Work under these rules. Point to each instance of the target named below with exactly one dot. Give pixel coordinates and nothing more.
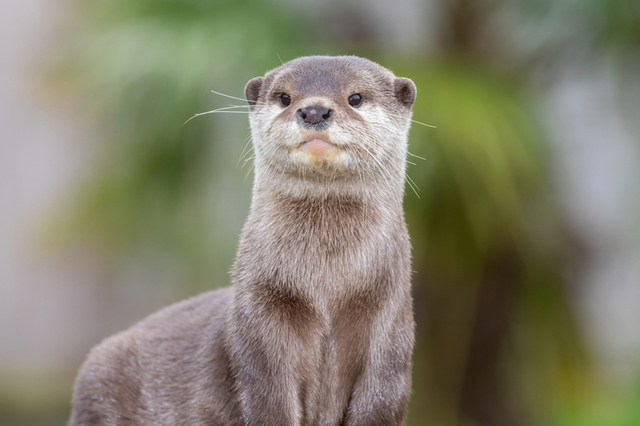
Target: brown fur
(317, 328)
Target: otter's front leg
(272, 354)
(381, 394)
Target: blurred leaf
(489, 247)
(144, 68)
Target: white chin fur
(334, 160)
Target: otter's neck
(326, 204)
(316, 237)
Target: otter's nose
(314, 114)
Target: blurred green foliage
(143, 68)
(489, 250)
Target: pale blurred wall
(597, 166)
(42, 150)
(53, 305)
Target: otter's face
(330, 116)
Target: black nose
(315, 114)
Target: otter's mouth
(319, 148)
(317, 151)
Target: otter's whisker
(417, 156)
(218, 110)
(412, 184)
(285, 66)
(423, 124)
(248, 159)
(249, 172)
(242, 154)
(383, 171)
(228, 96)
(235, 97)
(250, 155)
(413, 121)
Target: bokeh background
(525, 220)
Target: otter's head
(322, 116)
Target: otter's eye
(285, 100)
(355, 100)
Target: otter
(317, 327)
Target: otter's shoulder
(112, 381)
(196, 312)
(174, 323)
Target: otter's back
(172, 368)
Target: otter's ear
(252, 90)
(405, 91)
